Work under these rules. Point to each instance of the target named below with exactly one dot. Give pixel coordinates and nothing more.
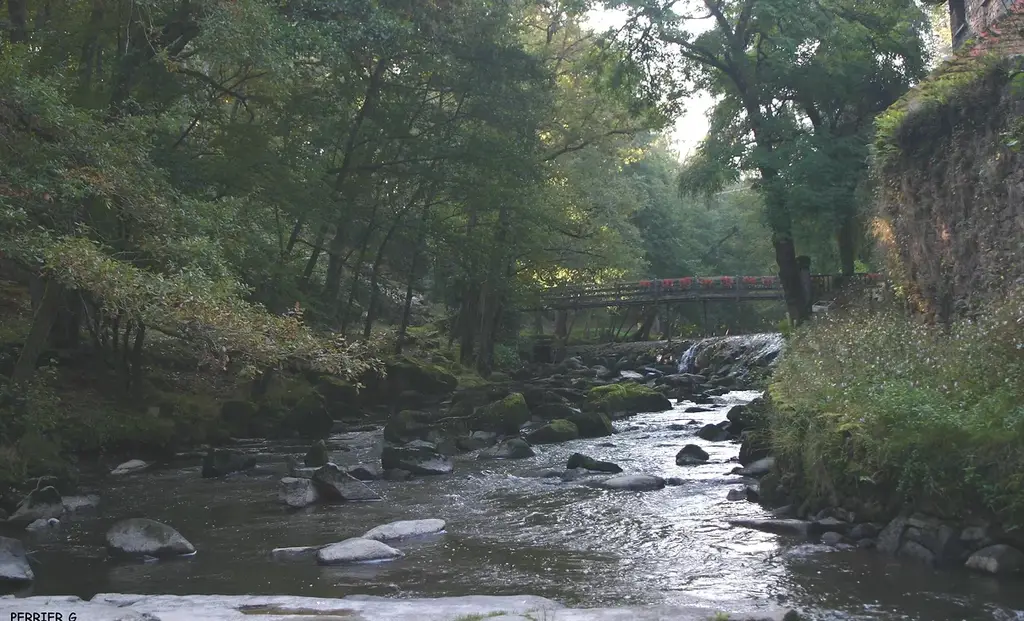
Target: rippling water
(508, 534)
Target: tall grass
(876, 404)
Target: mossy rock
(505, 415)
(309, 418)
(340, 397)
(406, 426)
(625, 399)
(405, 373)
(558, 430)
(592, 424)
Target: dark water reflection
(512, 535)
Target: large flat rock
(117, 607)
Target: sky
(692, 125)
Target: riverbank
(903, 424)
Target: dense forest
(295, 184)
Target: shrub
(880, 404)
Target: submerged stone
(356, 550)
(402, 529)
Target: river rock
(365, 472)
(631, 375)
(791, 528)
(144, 537)
(558, 430)
(509, 449)
(713, 433)
(222, 462)
(891, 536)
(397, 474)
(417, 457)
(579, 460)
(697, 409)
(506, 415)
(287, 554)
(403, 529)
(542, 473)
(41, 503)
(14, 565)
(296, 492)
(633, 482)
(335, 485)
(915, 551)
(691, 455)
(753, 446)
(42, 525)
(129, 467)
(407, 425)
(998, 559)
(864, 531)
(81, 504)
(736, 494)
(356, 550)
(832, 538)
(554, 410)
(759, 468)
(592, 424)
(317, 455)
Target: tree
(797, 86)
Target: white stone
(633, 482)
(296, 492)
(405, 528)
(142, 537)
(14, 565)
(41, 524)
(997, 559)
(356, 550)
(293, 552)
(128, 467)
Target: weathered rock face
(296, 492)
(143, 537)
(579, 460)
(222, 462)
(691, 455)
(403, 529)
(624, 399)
(514, 448)
(558, 430)
(356, 550)
(14, 565)
(418, 457)
(335, 485)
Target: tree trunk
(314, 255)
(17, 13)
(39, 334)
(294, 238)
(371, 305)
(789, 274)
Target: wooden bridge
(691, 289)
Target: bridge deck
(687, 289)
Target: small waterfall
(751, 350)
(689, 357)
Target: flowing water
(508, 534)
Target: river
(509, 534)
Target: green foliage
(884, 407)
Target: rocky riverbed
(655, 526)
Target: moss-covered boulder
(618, 400)
(558, 430)
(406, 426)
(592, 424)
(405, 373)
(309, 418)
(505, 415)
(341, 398)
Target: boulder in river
(513, 448)
(41, 503)
(42, 525)
(285, 554)
(758, 468)
(403, 529)
(14, 565)
(81, 504)
(356, 550)
(506, 415)
(129, 467)
(692, 455)
(713, 433)
(476, 440)
(317, 455)
(296, 492)
(365, 472)
(554, 410)
(335, 485)
(999, 559)
(592, 424)
(579, 460)
(619, 400)
(792, 528)
(558, 430)
(633, 482)
(144, 537)
(406, 426)
(418, 457)
(222, 462)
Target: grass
(880, 407)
